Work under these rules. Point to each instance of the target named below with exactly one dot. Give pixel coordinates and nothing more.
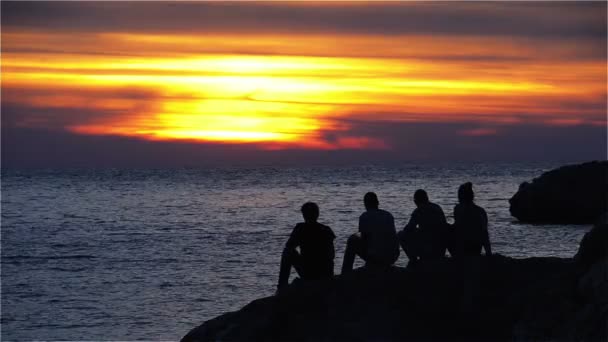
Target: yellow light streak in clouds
(283, 91)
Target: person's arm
(391, 221)
(442, 217)
(363, 227)
(456, 215)
(333, 247)
(294, 239)
(290, 246)
(413, 222)
(486, 236)
(332, 251)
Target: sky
(180, 84)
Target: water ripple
(149, 254)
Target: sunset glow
(293, 89)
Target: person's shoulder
(479, 209)
(365, 221)
(326, 229)
(322, 225)
(297, 233)
(435, 206)
(385, 213)
(476, 207)
(299, 227)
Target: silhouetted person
(315, 260)
(470, 225)
(376, 242)
(425, 235)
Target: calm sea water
(150, 254)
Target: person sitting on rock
(470, 225)
(376, 242)
(315, 260)
(425, 235)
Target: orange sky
(289, 89)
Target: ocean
(119, 254)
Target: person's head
(310, 212)
(371, 201)
(465, 193)
(420, 197)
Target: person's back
(425, 235)
(470, 225)
(376, 242)
(430, 218)
(315, 260)
(378, 226)
(316, 242)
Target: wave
(50, 257)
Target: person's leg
(289, 258)
(471, 273)
(442, 241)
(297, 264)
(472, 250)
(407, 242)
(394, 257)
(452, 244)
(437, 249)
(353, 248)
(442, 249)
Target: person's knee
(401, 236)
(290, 254)
(354, 239)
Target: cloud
(435, 142)
(548, 19)
(464, 80)
(478, 132)
(56, 109)
(524, 141)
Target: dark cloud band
(529, 19)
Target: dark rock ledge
(486, 299)
(570, 194)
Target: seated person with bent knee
(470, 225)
(376, 243)
(425, 235)
(315, 260)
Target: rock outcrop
(569, 194)
(576, 309)
(486, 299)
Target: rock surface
(486, 299)
(580, 312)
(569, 194)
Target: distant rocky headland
(569, 194)
(495, 298)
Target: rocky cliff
(569, 194)
(487, 299)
